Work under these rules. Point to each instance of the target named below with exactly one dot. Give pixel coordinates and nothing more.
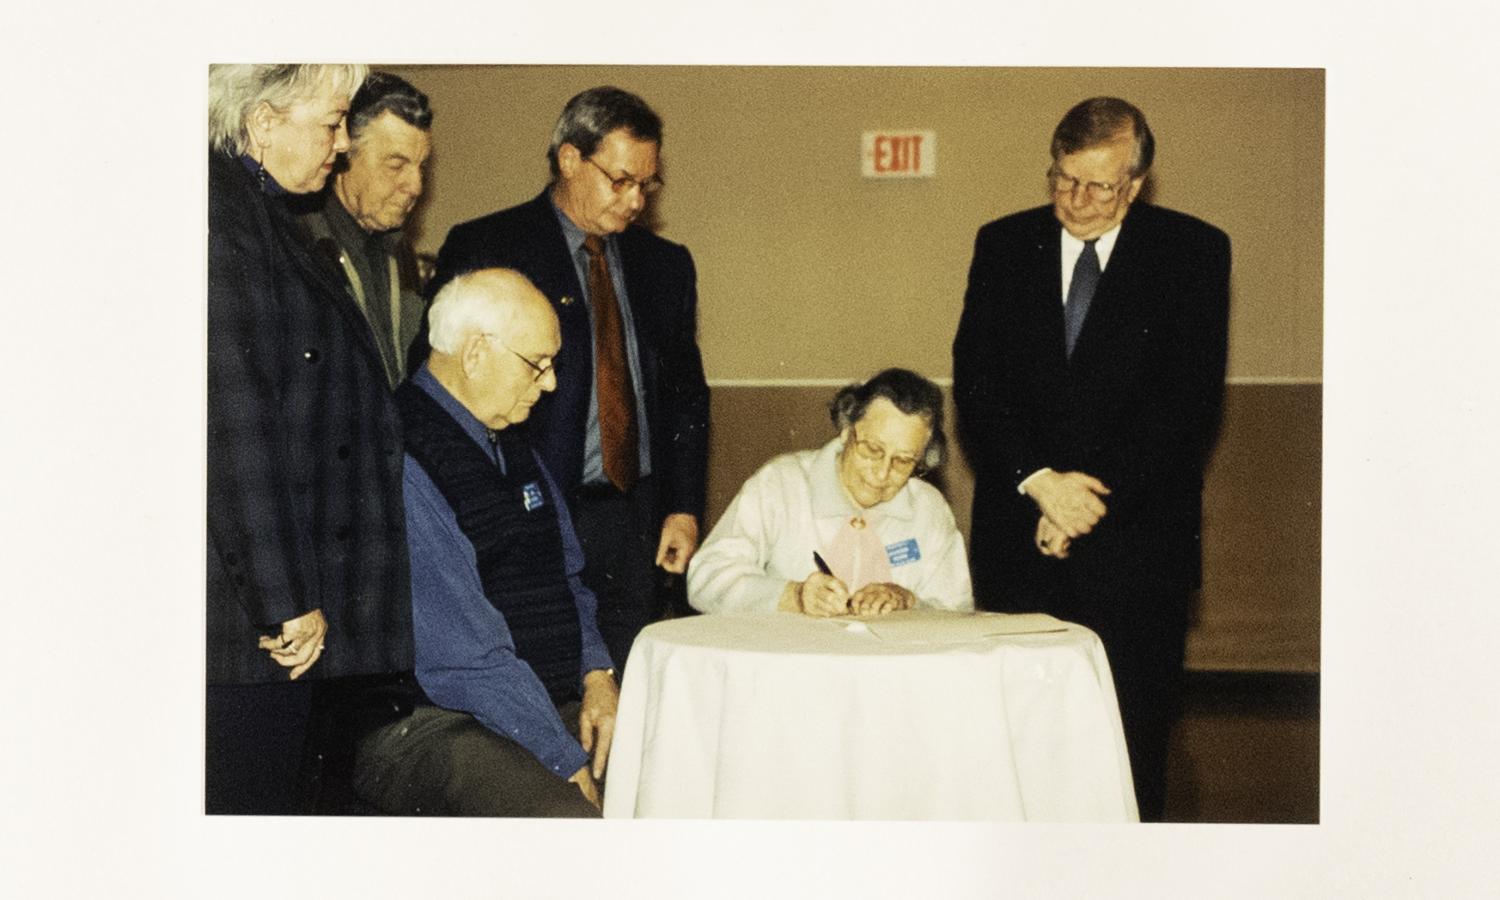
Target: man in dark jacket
(626, 432)
(1088, 373)
(358, 223)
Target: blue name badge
(903, 552)
(531, 496)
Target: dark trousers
(619, 533)
(255, 736)
(344, 711)
(1144, 631)
(437, 762)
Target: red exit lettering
(898, 153)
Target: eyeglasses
(625, 182)
(873, 453)
(1097, 191)
(538, 371)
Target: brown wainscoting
(1259, 609)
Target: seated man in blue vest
(522, 693)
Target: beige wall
(807, 270)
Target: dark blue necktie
(1081, 292)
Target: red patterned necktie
(617, 428)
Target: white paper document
(935, 626)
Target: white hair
(466, 306)
(235, 90)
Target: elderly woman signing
(851, 508)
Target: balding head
(493, 337)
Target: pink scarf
(856, 555)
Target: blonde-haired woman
(307, 566)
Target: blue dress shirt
(465, 657)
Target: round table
(925, 714)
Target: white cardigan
(795, 505)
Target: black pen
(822, 566)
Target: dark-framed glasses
(1097, 191)
(873, 453)
(624, 183)
(538, 371)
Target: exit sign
(898, 154)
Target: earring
(260, 169)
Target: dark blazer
(1137, 405)
(662, 285)
(304, 451)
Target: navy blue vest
(510, 520)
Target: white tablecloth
(926, 715)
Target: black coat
(662, 286)
(1136, 406)
(304, 450)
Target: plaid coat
(304, 451)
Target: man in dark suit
(626, 432)
(1089, 375)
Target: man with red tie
(626, 432)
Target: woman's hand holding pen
(823, 595)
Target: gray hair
(469, 305)
(596, 112)
(1098, 120)
(383, 92)
(908, 392)
(235, 90)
